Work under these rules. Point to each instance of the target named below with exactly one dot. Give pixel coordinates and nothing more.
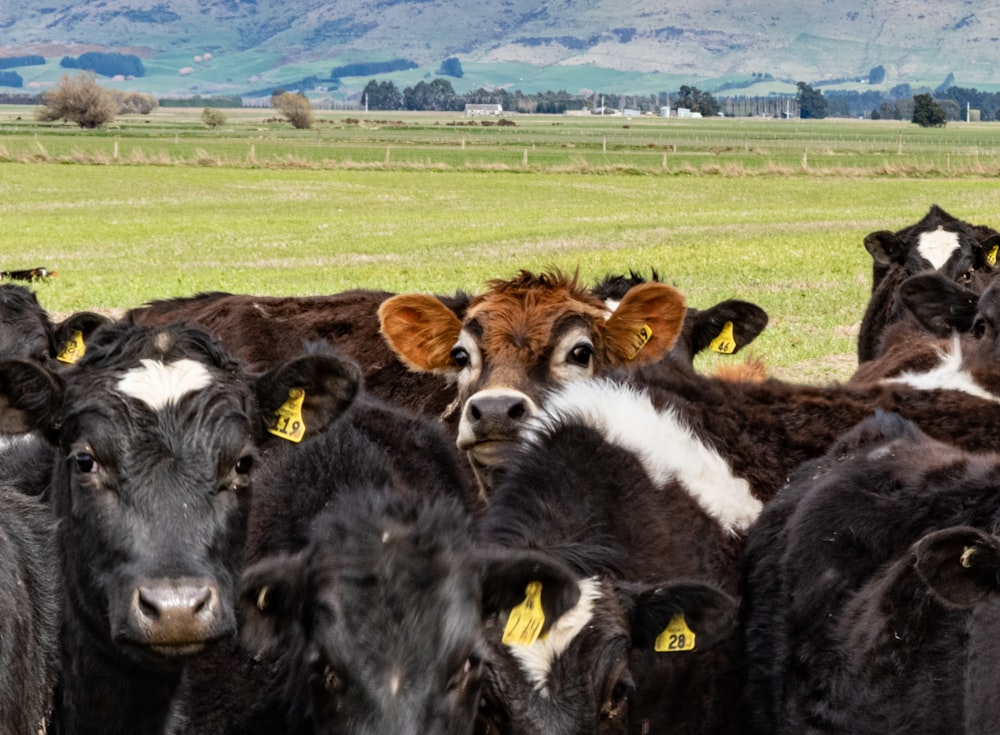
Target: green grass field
(770, 211)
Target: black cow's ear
(271, 602)
(959, 565)
(71, 334)
(727, 327)
(304, 396)
(678, 617)
(990, 249)
(31, 398)
(531, 583)
(885, 247)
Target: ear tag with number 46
(287, 421)
(73, 349)
(677, 636)
(524, 624)
(725, 343)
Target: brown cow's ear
(421, 330)
(645, 325)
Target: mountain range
(217, 47)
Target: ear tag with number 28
(677, 636)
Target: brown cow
(519, 338)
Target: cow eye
(244, 464)
(461, 356)
(85, 462)
(581, 354)
(618, 697)
(966, 277)
(978, 327)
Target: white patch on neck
(947, 375)
(666, 447)
(937, 246)
(158, 385)
(536, 660)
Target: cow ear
(31, 398)
(990, 248)
(727, 327)
(271, 602)
(512, 578)
(645, 325)
(683, 616)
(421, 330)
(305, 395)
(939, 304)
(885, 247)
(71, 334)
(959, 565)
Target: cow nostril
(474, 412)
(517, 411)
(146, 605)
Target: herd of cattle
(518, 511)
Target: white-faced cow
(871, 590)
(962, 252)
(154, 435)
(517, 339)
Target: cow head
(518, 339)
(156, 432)
(579, 679)
(378, 622)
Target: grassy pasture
(769, 211)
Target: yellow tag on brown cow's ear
(524, 624)
(725, 342)
(73, 349)
(641, 338)
(677, 636)
(991, 256)
(287, 421)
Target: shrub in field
(212, 117)
(78, 99)
(135, 103)
(927, 113)
(295, 107)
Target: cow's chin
(165, 656)
(489, 460)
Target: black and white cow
(154, 435)
(871, 589)
(962, 252)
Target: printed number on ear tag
(73, 349)
(677, 636)
(287, 421)
(725, 342)
(641, 338)
(524, 624)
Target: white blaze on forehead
(937, 246)
(536, 660)
(667, 448)
(157, 384)
(946, 375)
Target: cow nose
(497, 416)
(172, 612)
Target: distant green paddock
(769, 211)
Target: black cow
(29, 613)
(870, 590)
(154, 434)
(378, 622)
(576, 491)
(962, 252)
(28, 332)
(725, 328)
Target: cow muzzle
(176, 618)
(492, 424)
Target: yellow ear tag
(287, 422)
(991, 256)
(641, 338)
(725, 342)
(73, 349)
(677, 636)
(524, 624)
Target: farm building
(477, 110)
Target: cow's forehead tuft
(159, 384)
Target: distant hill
(211, 47)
